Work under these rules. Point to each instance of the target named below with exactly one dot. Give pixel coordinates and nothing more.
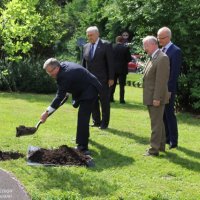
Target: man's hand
(44, 116)
(156, 103)
(170, 94)
(110, 83)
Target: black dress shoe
(103, 127)
(162, 149)
(151, 154)
(95, 125)
(122, 102)
(83, 149)
(173, 146)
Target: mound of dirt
(64, 155)
(10, 155)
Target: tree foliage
(24, 24)
(41, 27)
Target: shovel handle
(38, 124)
(61, 103)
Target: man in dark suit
(155, 93)
(174, 54)
(122, 56)
(98, 59)
(84, 87)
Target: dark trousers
(170, 122)
(104, 96)
(84, 113)
(122, 83)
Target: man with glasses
(174, 54)
(84, 87)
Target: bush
(27, 76)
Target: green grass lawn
(121, 171)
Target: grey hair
(150, 39)
(92, 29)
(51, 62)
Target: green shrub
(27, 76)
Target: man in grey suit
(98, 59)
(174, 54)
(155, 93)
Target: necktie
(91, 51)
(163, 49)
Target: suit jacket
(156, 76)
(174, 54)
(102, 63)
(73, 78)
(122, 56)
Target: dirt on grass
(10, 155)
(64, 155)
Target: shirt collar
(153, 54)
(97, 41)
(167, 46)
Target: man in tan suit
(155, 92)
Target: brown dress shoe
(151, 154)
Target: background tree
(51, 28)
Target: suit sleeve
(110, 61)
(128, 55)
(83, 59)
(60, 95)
(175, 65)
(162, 77)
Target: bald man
(174, 53)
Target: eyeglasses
(162, 38)
(50, 71)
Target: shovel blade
(23, 130)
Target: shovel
(23, 130)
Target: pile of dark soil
(64, 155)
(10, 155)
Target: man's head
(150, 44)
(92, 34)
(164, 36)
(52, 67)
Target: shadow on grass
(138, 139)
(129, 106)
(189, 152)
(71, 184)
(28, 96)
(183, 162)
(187, 118)
(109, 158)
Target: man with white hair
(98, 59)
(174, 54)
(155, 93)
